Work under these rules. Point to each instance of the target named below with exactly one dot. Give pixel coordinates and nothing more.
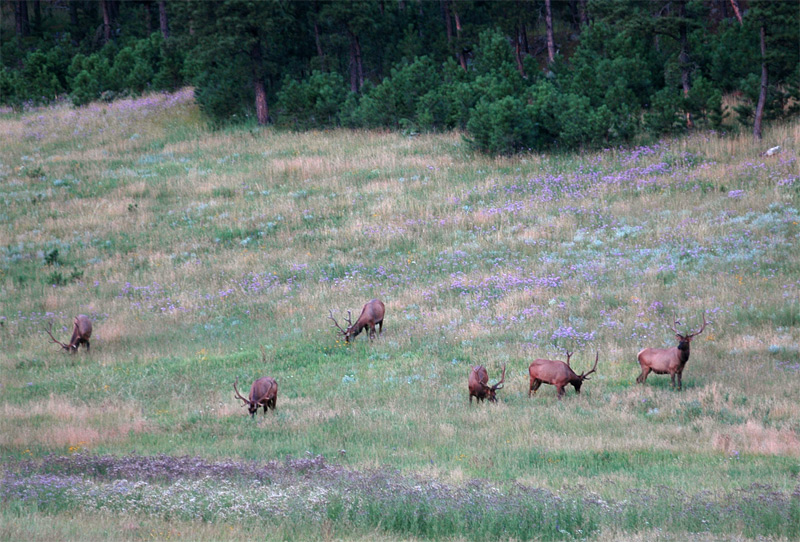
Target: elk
(557, 373)
(371, 315)
(81, 332)
(479, 384)
(668, 360)
(263, 392)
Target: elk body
(668, 360)
(479, 384)
(557, 373)
(371, 316)
(263, 392)
(81, 332)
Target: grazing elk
(668, 360)
(263, 392)
(557, 373)
(371, 316)
(479, 384)
(81, 332)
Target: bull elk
(479, 384)
(81, 332)
(263, 393)
(557, 373)
(668, 360)
(371, 316)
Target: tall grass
(191, 249)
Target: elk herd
(264, 391)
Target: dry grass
(60, 423)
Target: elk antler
(699, 331)
(568, 355)
(499, 385)
(330, 312)
(585, 376)
(675, 318)
(64, 346)
(239, 395)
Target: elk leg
(560, 392)
(642, 377)
(88, 344)
(534, 387)
(680, 386)
(380, 327)
(372, 331)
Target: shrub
(501, 127)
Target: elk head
(479, 384)
(347, 332)
(252, 406)
(684, 340)
(492, 390)
(577, 383)
(81, 333)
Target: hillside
(205, 256)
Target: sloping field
(205, 256)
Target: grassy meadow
(205, 256)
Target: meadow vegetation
(203, 256)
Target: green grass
(196, 248)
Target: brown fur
(479, 384)
(81, 333)
(263, 393)
(670, 361)
(557, 373)
(371, 316)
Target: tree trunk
(518, 52)
(148, 18)
(22, 24)
(462, 59)
(359, 63)
(104, 4)
(683, 58)
(262, 107)
(762, 96)
(73, 14)
(162, 19)
(736, 10)
(445, 7)
(551, 45)
(37, 16)
(354, 79)
(584, 14)
(317, 38)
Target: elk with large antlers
(371, 316)
(81, 332)
(263, 393)
(668, 360)
(479, 384)
(557, 373)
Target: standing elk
(557, 373)
(263, 392)
(668, 360)
(479, 384)
(371, 315)
(81, 332)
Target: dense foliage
(621, 69)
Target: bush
(315, 102)
(394, 101)
(501, 127)
(85, 88)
